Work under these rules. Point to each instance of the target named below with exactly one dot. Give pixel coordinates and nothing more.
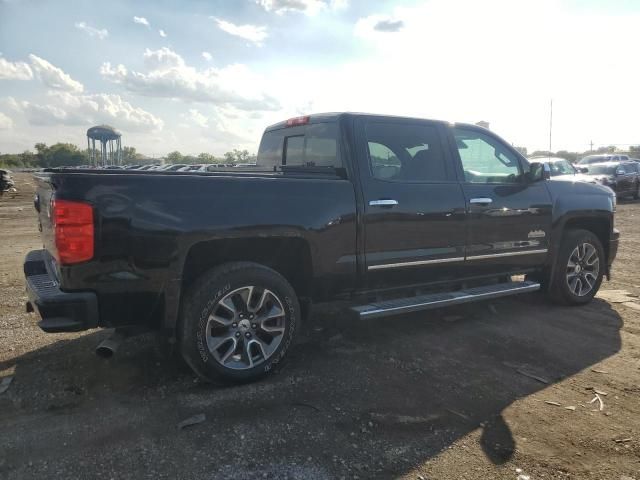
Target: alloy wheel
(583, 268)
(246, 327)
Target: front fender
(580, 205)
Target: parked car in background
(6, 182)
(562, 169)
(172, 167)
(622, 177)
(608, 157)
(194, 168)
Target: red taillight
(73, 227)
(294, 122)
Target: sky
(209, 75)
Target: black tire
(203, 299)
(636, 193)
(560, 290)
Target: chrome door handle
(383, 203)
(481, 201)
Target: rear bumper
(60, 311)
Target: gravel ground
(459, 393)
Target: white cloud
(5, 122)
(338, 4)
(63, 108)
(197, 118)
(503, 60)
(141, 21)
(162, 33)
(54, 77)
(101, 33)
(252, 33)
(162, 59)
(309, 7)
(14, 70)
(41, 115)
(226, 128)
(169, 76)
(207, 56)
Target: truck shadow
(375, 399)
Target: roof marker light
(294, 122)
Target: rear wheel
(238, 322)
(579, 269)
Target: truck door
(508, 216)
(414, 209)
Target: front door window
(484, 160)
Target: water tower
(110, 146)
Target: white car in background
(562, 169)
(602, 158)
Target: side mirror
(620, 172)
(539, 171)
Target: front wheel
(237, 322)
(636, 193)
(579, 268)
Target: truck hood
(578, 177)
(582, 189)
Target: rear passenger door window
(406, 152)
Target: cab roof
(331, 117)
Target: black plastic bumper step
(437, 300)
(61, 311)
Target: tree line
(234, 156)
(69, 155)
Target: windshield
(602, 170)
(561, 167)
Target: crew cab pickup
(393, 215)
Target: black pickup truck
(391, 214)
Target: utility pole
(591, 146)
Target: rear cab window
(313, 145)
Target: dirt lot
(439, 395)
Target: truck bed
(150, 225)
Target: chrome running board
(437, 300)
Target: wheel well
(290, 257)
(598, 226)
